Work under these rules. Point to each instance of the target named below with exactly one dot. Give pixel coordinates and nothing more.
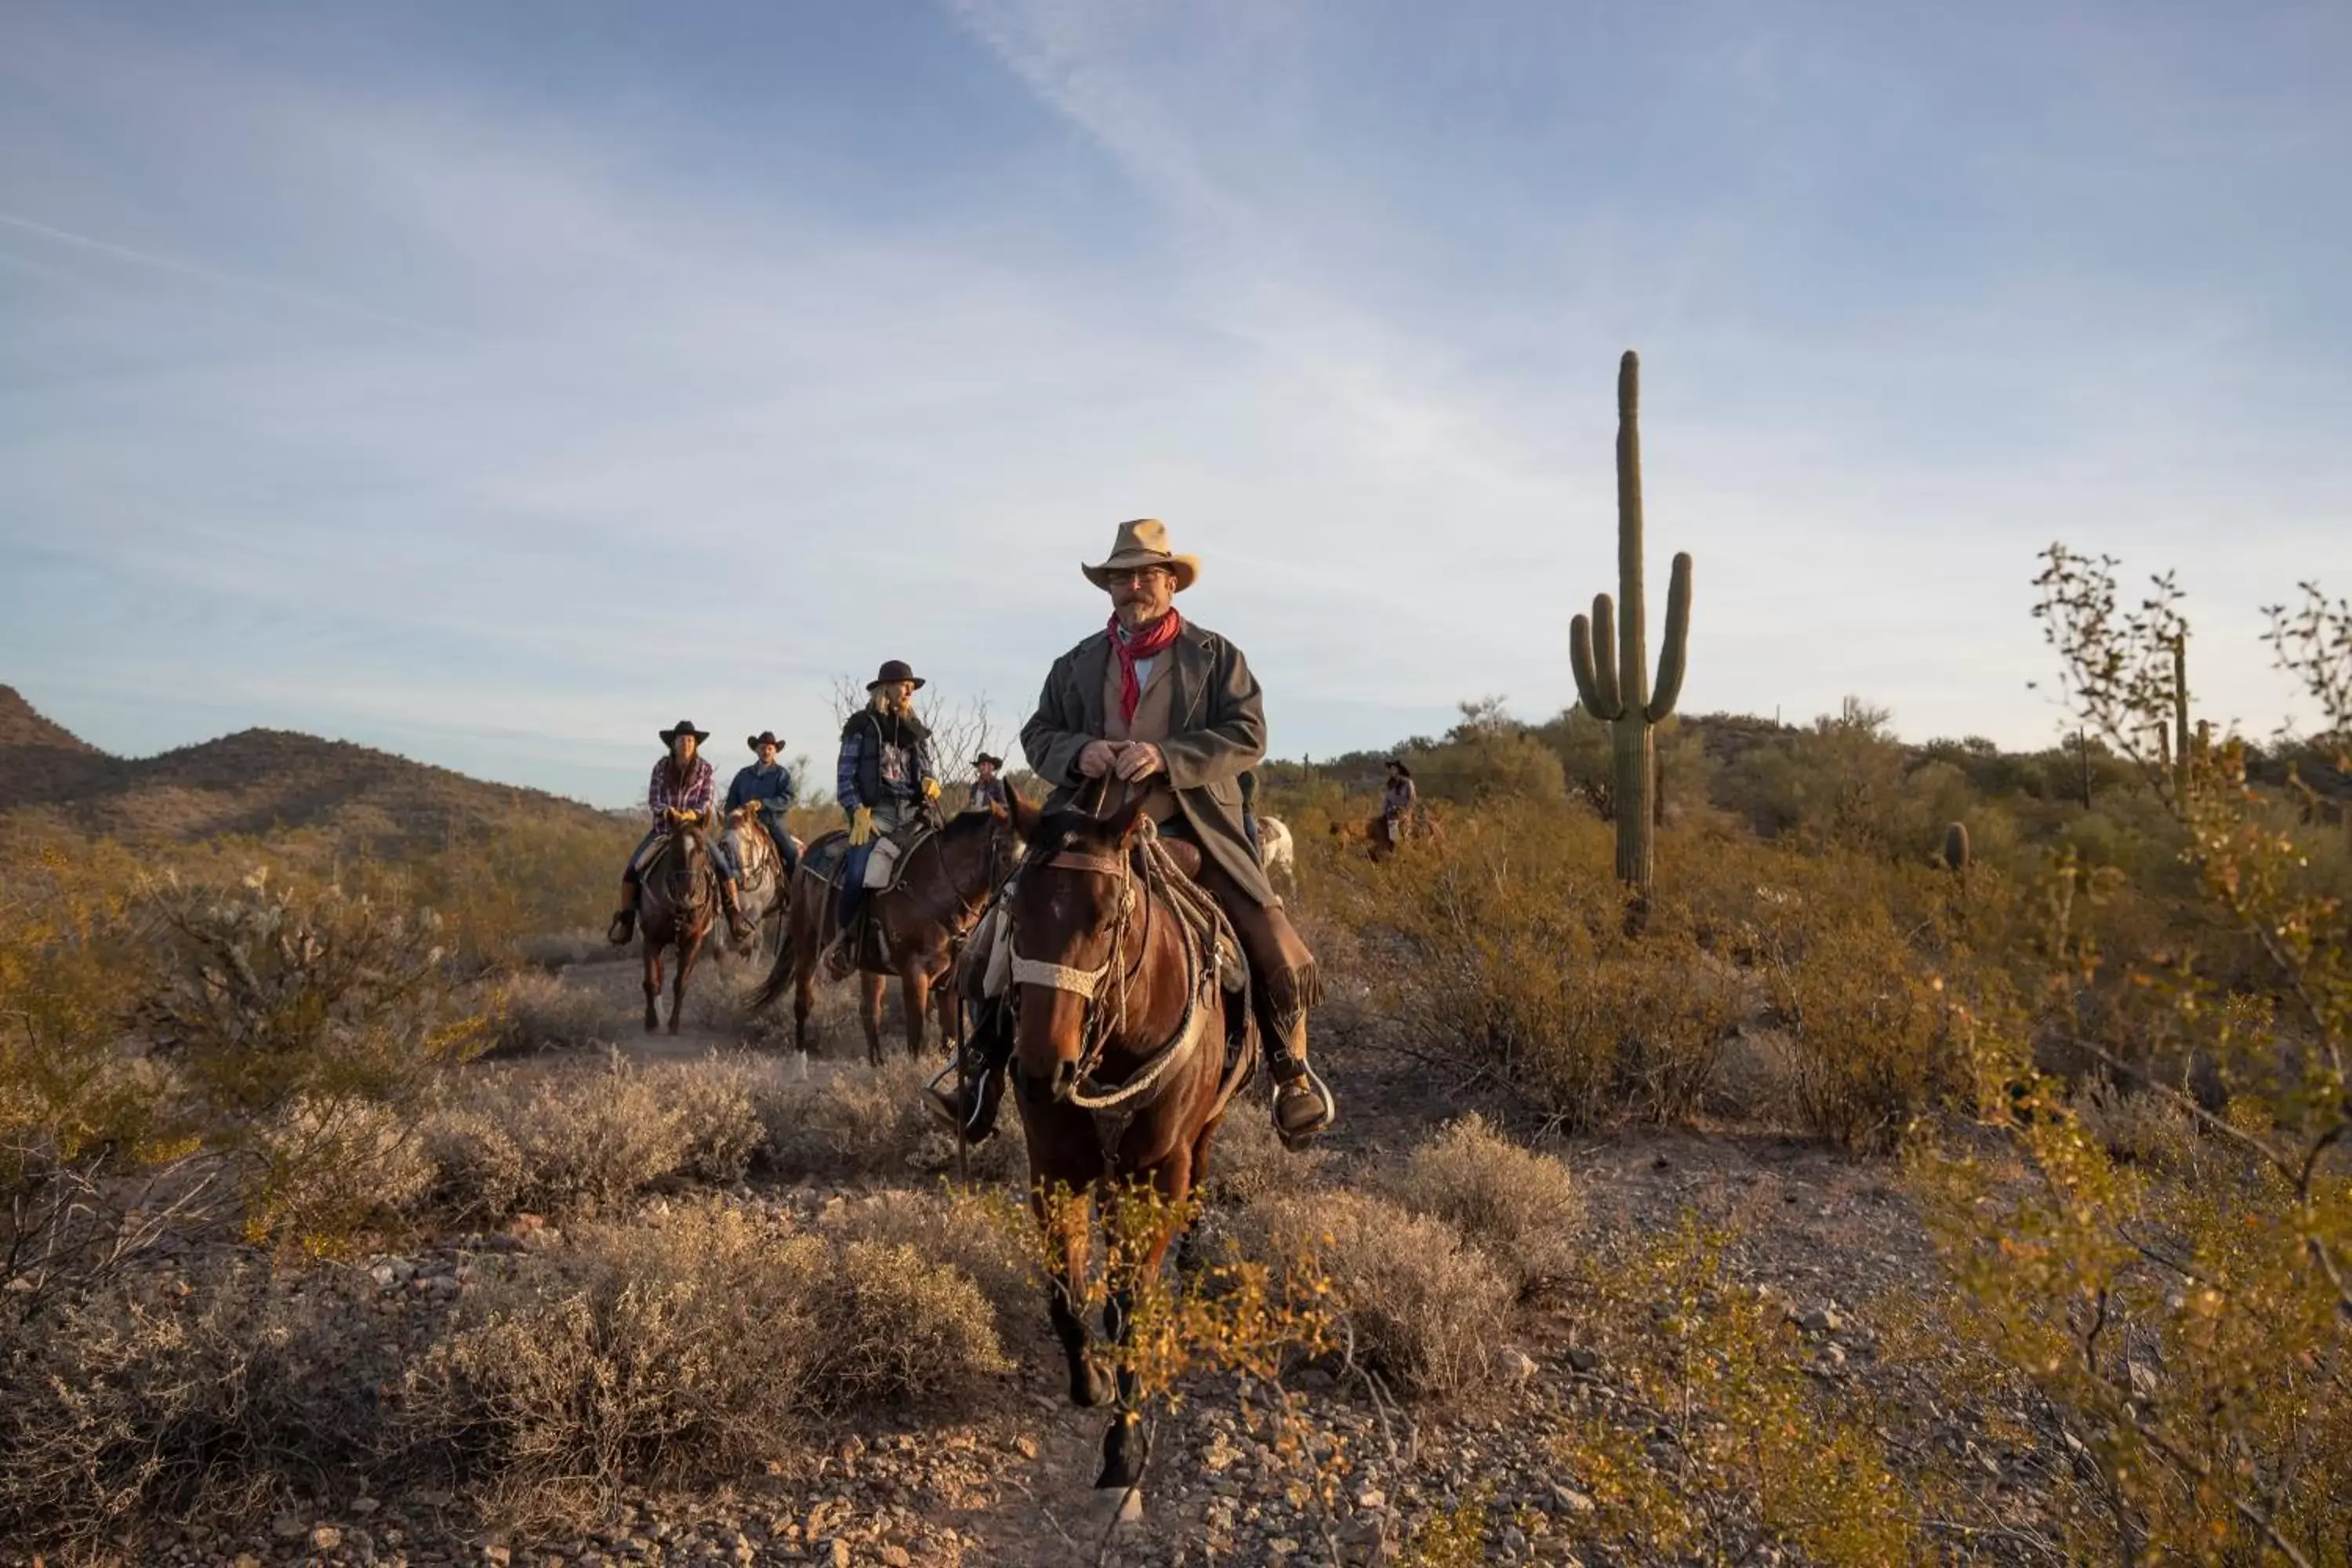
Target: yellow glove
(930, 789)
(861, 826)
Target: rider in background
(884, 781)
(988, 788)
(1397, 800)
(680, 794)
(769, 785)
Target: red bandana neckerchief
(1148, 643)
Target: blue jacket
(759, 782)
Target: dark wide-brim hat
(764, 738)
(894, 670)
(985, 757)
(1399, 764)
(683, 727)
(1143, 542)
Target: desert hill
(253, 781)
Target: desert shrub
(1426, 1309)
(1871, 1036)
(2193, 1336)
(585, 1142)
(859, 1122)
(1511, 949)
(533, 1011)
(1520, 1208)
(333, 1169)
(264, 994)
(694, 1344)
(158, 1403)
(714, 1101)
(1247, 1161)
(1759, 1452)
(988, 1237)
(2136, 1126)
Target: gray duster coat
(1216, 730)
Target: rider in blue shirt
(769, 784)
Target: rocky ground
(1348, 1476)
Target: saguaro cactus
(1610, 655)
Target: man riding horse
(1172, 711)
(679, 795)
(989, 789)
(770, 785)
(884, 781)
(1398, 798)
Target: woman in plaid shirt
(682, 790)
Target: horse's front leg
(653, 983)
(689, 949)
(1065, 1217)
(1125, 1447)
(804, 995)
(869, 1012)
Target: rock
(289, 1528)
(1568, 1499)
(840, 1547)
(1514, 1542)
(896, 1556)
(1583, 1358)
(1371, 1497)
(1516, 1364)
(1025, 1446)
(499, 1555)
(326, 1538)
(2143, 1379)
(1822, 1320)
(247, 1560)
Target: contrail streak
(223, 279)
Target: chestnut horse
(1119, 1066)
(946, 881)
(1374, 831)
(677, 898)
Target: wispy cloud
(451, 388)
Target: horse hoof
(1116, 1509)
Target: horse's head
(1070, 914)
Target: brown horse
(678, 899)
(947, 881)
(1119, 1066)
(1374, 831)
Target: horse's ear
(1023, 814)
(1128, 820)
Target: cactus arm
(1606, 698)
(1671, 658)
(1587, 682)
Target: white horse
(1275, 852)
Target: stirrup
(1295, 1139)
(623, 927)
(971, 1123)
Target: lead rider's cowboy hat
(683, 727)
(894, 670)
(1144, 543)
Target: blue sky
(497, 383)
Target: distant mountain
(253, 781)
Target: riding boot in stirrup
(737, 926)
(968, 1108)
(623, 927)
(1304, 1105)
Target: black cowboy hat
(893, 671)
(1398, 763)
(764, 738)
(683, 727)
(985, 757)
